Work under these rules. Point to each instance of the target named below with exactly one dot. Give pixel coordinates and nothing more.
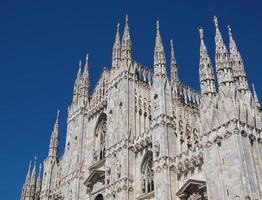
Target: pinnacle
(172, 51)
(216, 21)
(117, 26)
(201, 32)
(57, 115)
(87, 56)
(229, 30)
(157, 25)
(29, 167)
(35, 161)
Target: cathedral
(144, 135)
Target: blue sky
(41, 43)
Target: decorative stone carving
(118, 169)
(157, 148)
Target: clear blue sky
(41, 43)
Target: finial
(126, 18)
(254, 92)
(157, 25)
(79, 70)
(86, 64)
(216, 21)
(87, 57)
(229, 30)
(171, 43)
(201, 32)
(172, 50)
(57, 115)
(117, 26)
(29, 167)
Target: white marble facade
(143, 135)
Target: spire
(26, 187)
(237, 64)
(232, 43)
(57, 122)
(223, 67)
(159, 54)
(173, 64)
(255, 96)
(76, 85)
(86, 81)
(39, 173)
(79, 70)
(28, 176)
(33, 174)
(126, 44)
(207, 78)
(53, 147)
(86, 68)
(116, 54)
(38, 183)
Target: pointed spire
(26, 184)
(173, 64)
(86, 64)
(79, 70)
(38, 183)
(232, 43)
(29, 172)
(255, 95)
(207, 78)
(33, 174)
(237, 64)
(77, 83)
(116, 54)
(159, 54)
(126, 43)
(39, 173)
(86, 81)
(57, 121)
(223, 67)
(53, 147)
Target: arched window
(148, 173)
(100, 135)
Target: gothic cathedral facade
(144, 135)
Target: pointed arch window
(148, 173)
(100, 135)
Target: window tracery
(100, 136)
(148, 174)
